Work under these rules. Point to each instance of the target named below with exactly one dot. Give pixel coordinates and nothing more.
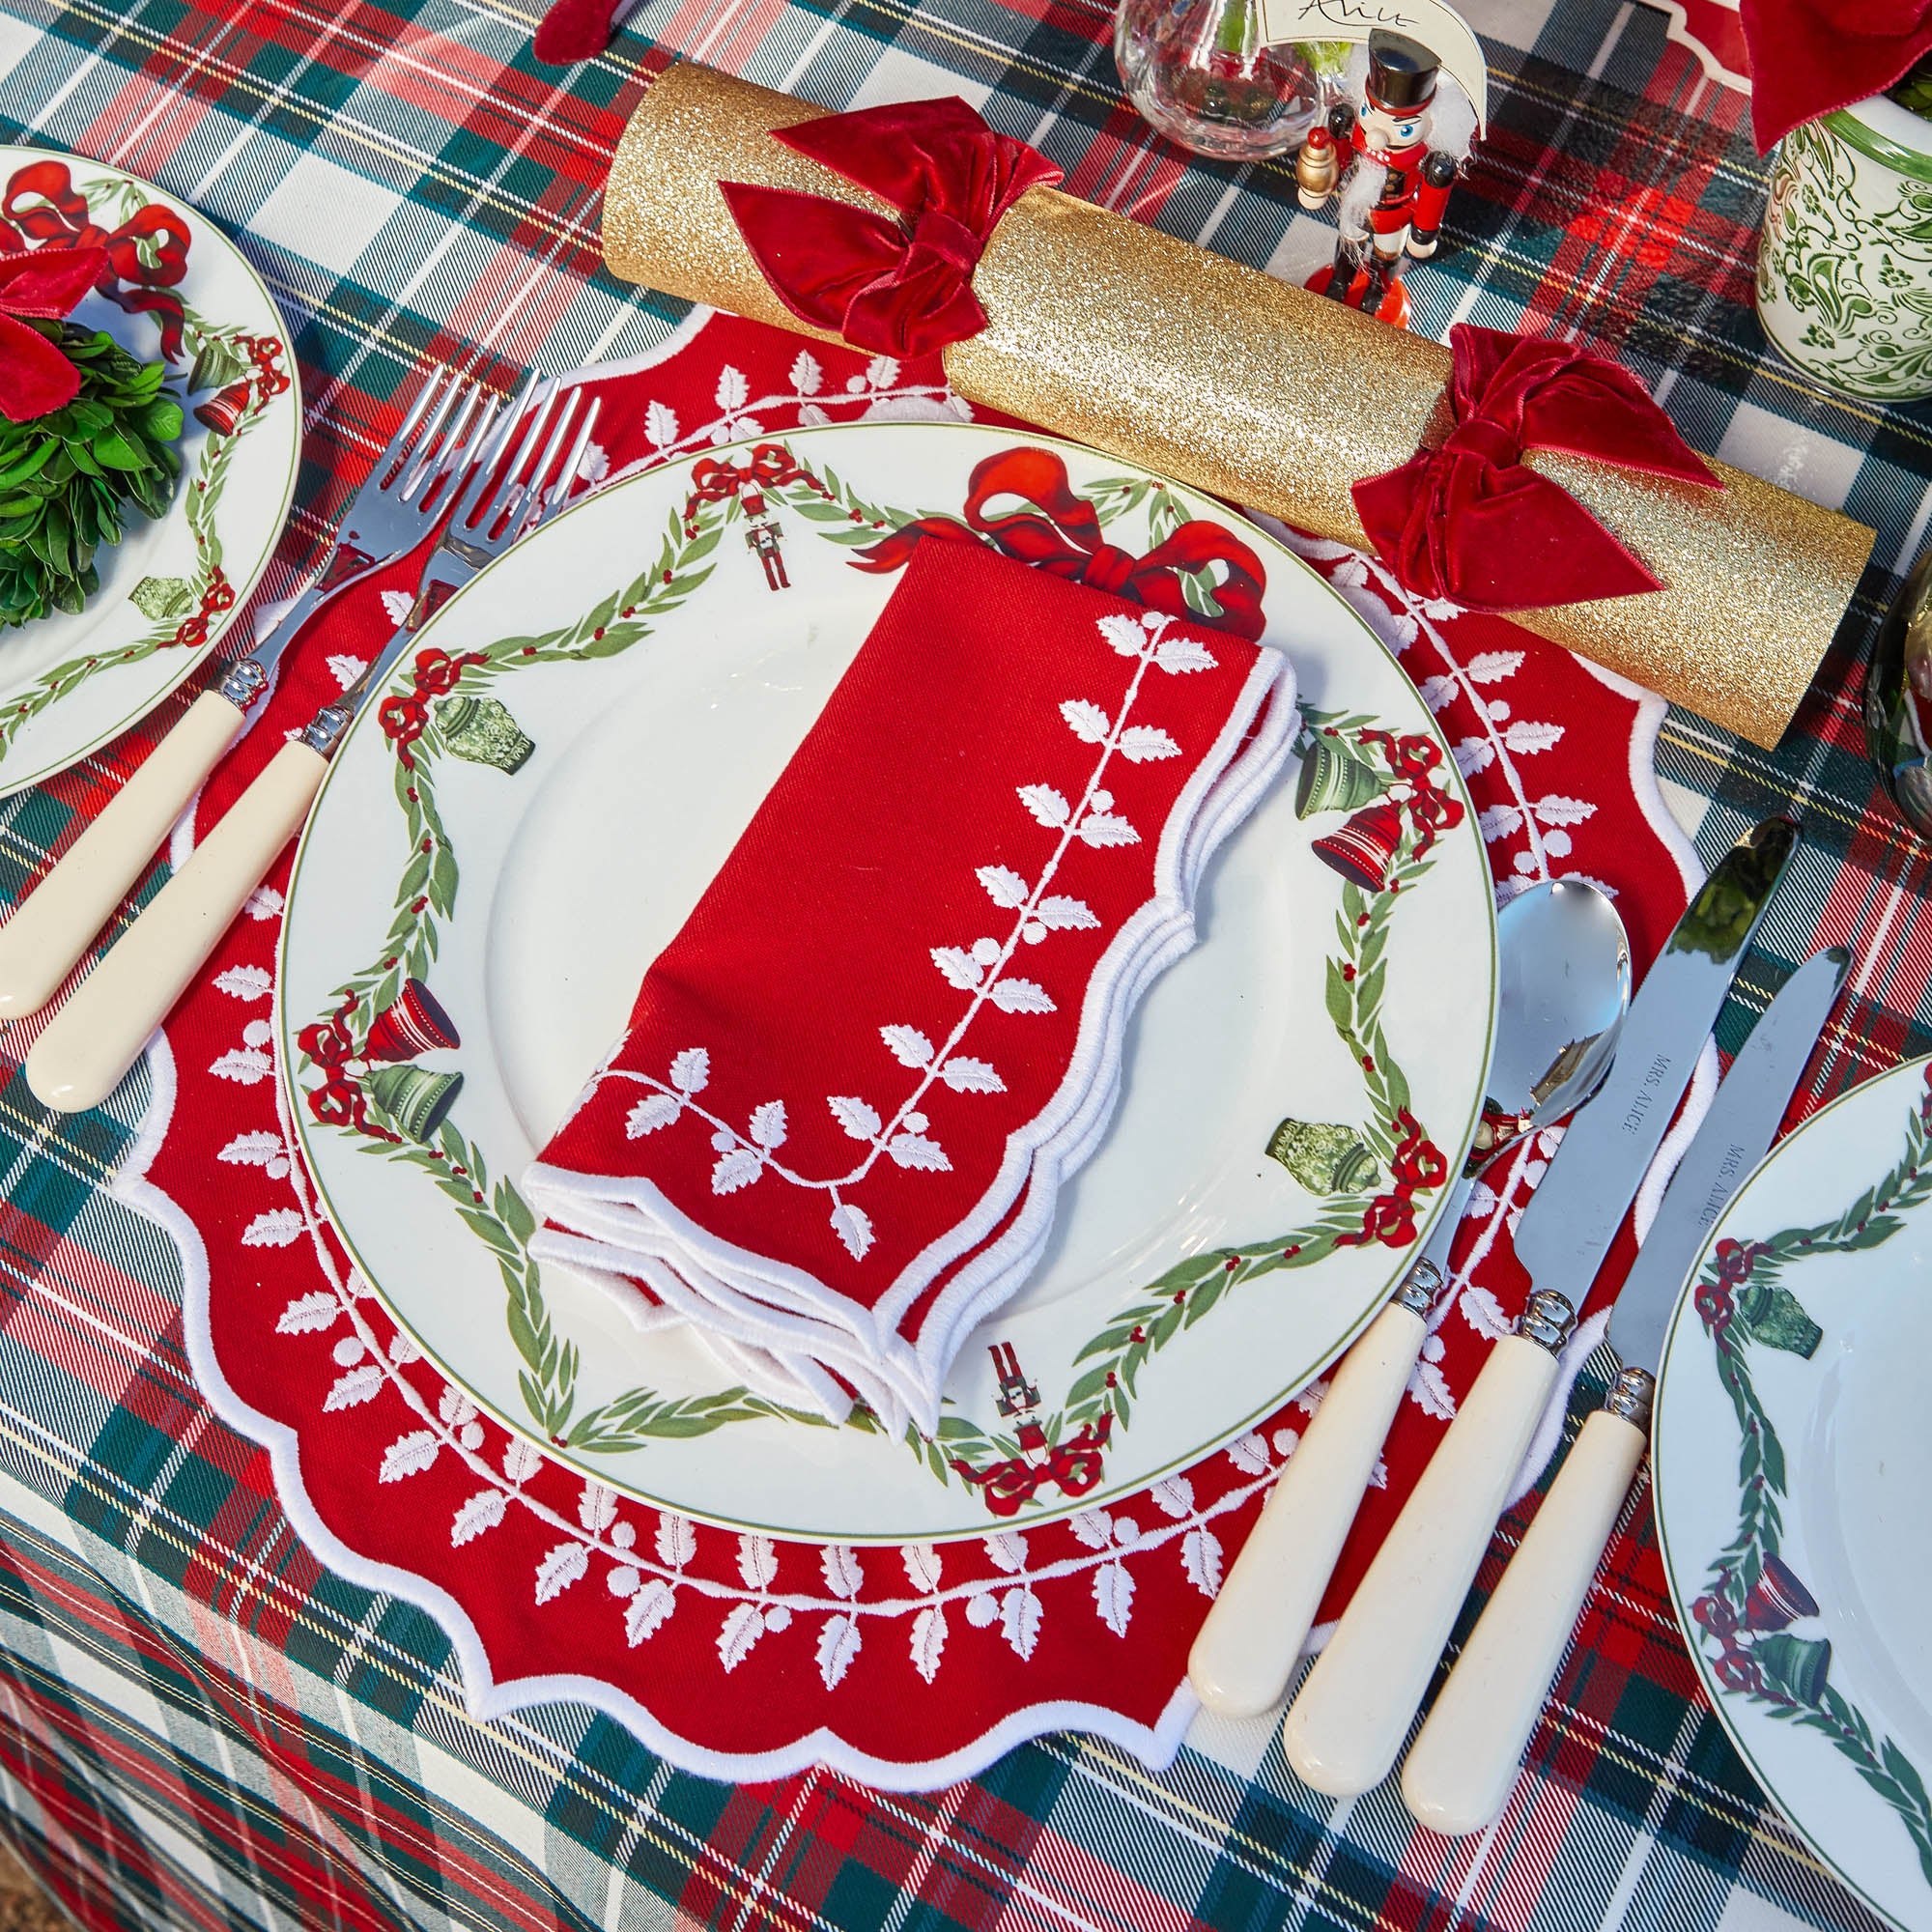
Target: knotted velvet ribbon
(1467, 521)
(36, 375)
(137, 265)
(1808, 57)
(1059, 533)
(897, 290)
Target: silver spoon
(1898, 700)
(1564, 984)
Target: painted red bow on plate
(897, 289)
(1467, 521)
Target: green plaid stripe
(198, 1725)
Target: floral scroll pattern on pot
(1191, 567)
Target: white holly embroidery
(981, 969)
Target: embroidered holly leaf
(1095, 1528)
(656, 1111)
(357, 1386)
(676, 1540)
(1173, 1496)
(561, 1568)
(1004, 886)
(409, 1455)
(1552, 810)
(309, 1313)
(1005, 1549)
(1061, 912)
(838, 1645)
(1144, 743)
(597, 1508)
(744, 1625)
(277, 1227)
(1021, 996)
(1437, 691)
(1046, 804)
(844, 1574)
(690, 1070)
(806, 377)
(882, 372)
(928, 1641)
(757, 1561)
(917, 1152)
(1428, 1390)
(966, 1075)
(1184, 654)
(733, 392)
(922, 1566)
(520, 1459)
(1473, 755)
(1249, 1455)
(768, 1123)
(1088, 722)
(1125, 634)
(735, 1170)
(1114, 1596)
(483, 1511)
(244, 982)
(959, 967)
(907, 1045)
(648, 1610)
(1488, 667)
(1523, 736)
(852, 1114)
(1499, 821)
(1201, 1558)
(454, 1407)
(1106, 828)
(661, 425)
(1019, 1620)
(854, 1228)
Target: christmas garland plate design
(555, 774)
(175, 289)
(1791, 1441)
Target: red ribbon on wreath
(1075, 1465)
(404, 716)
(142, 260)
(338, 1101)
(1059, 533)
(1413, 759)
(1418, 1163)
(717, 479)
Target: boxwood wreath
(1066, 1446)
(1752, 1596)
(124, 417)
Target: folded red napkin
(835, 1131)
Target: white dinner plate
(170, 588)
(641, 688)
(1792, 1441)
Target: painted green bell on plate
(1333, 779)
(1798, 1665)
(1325, 1159)
(482, 731)
(416, 1099)
(161, 599)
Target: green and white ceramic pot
(1844, 263)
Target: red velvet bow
(1467, 521)
(1808, 57)
(897, 290)
(139, 263)
(36, 375)
(1059, 533)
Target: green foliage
(67, 479)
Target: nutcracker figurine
(1394, 187)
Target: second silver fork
(521, 476)
(394, 510)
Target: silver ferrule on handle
(1420, 1286)
(325, 730)
(242, 683)
(1548, 1321)
(1630, 1397)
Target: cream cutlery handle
(1245, 1652)
(100, 1033)
(1462, 1767)
(57, 922)
(1348, 1722)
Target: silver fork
(396, 507)
(82, 1056)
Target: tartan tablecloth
(199, 1725)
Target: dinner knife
(1346, 1726)
(1464, 1764)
